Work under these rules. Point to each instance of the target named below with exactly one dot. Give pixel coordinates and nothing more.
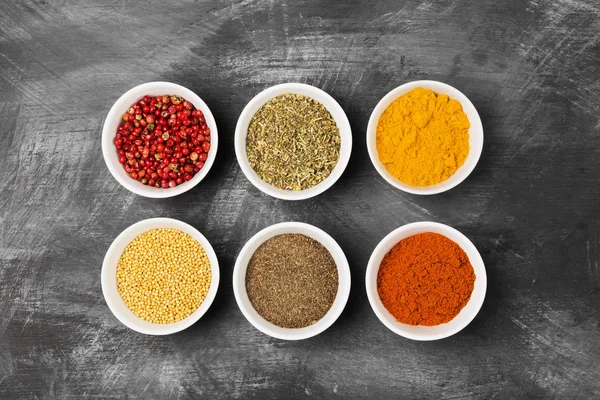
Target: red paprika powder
(426, 279)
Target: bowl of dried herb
(291, 281)
(293, 141)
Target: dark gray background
(532, 205)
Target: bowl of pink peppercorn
(159, 139)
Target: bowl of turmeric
(425, 137)
(426, 281)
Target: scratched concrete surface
(532, 205)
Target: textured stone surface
(532, 205)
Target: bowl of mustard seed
(291, 281)
(159, 276)
(293, 141)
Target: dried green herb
(292, 280)
(293, 142)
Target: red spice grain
(155, 141)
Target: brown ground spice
(292, 280)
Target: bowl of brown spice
(426, 281)
(293, 141)
(291, 281)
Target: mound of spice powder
(163, 275)
(423, 137)
(292, 280)
(426, 279)
(293, 142)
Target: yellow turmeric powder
(423, 138)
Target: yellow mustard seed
(163, 275)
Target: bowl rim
(476, 137)
(336, 111)
(239, 285)
(108, 281)
(108, 134)
(419, 332)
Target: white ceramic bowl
(114, 119)
(465, 316)
(475, 137)
(109, 277)
(330, 104)
(239, 281)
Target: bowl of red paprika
(426, 281)
(159, 150)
